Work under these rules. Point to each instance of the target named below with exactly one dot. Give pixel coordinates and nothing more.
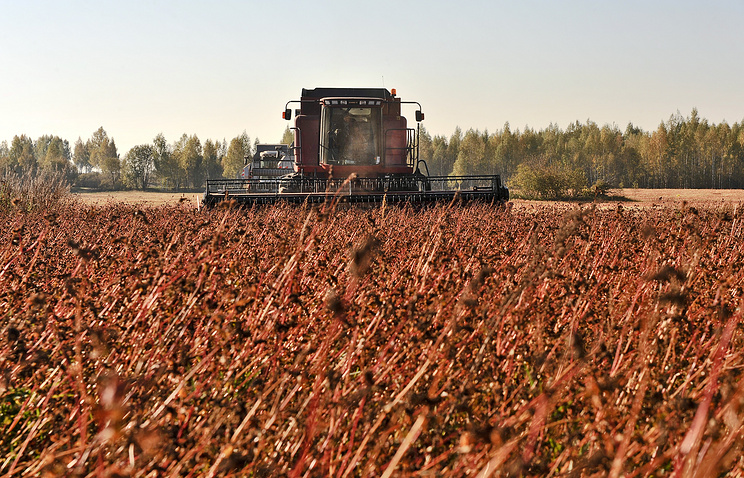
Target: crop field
(529, 340)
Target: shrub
(601, 188)
(545, 181)
(93, 180)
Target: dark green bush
(93, 180)
(542, 181)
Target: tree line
(683, 152)
(182, 164)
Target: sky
(218, 68)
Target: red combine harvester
(354, 144)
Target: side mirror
(419, 116)
(287, 115)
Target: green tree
(97, 146)
(439, 164)
(721, 148)
(505, 153)
(471, 156)
(188, 154)
(5, 165)
(103, 155)
(426, 149)
(233, 162)
(21, 154)
(655, 155)
(529, 144)
(166, 166)
(111, 165)
(632, 173)
(453, 149)
(212, 159)
(40, 149)
(139, 164)
(53, 153)
(288, 136)
(81, 156)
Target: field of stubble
(532, 340)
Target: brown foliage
(290, 341)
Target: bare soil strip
(628, 197)
(146, 198)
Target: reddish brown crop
(447, 341)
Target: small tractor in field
(352, 144)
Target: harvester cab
(344, 131)
(350, 135)
(356, 145)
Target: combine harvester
(352, 144)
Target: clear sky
(217, 68)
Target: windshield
(350, 136)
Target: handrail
(295, 149)
(411, 147)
